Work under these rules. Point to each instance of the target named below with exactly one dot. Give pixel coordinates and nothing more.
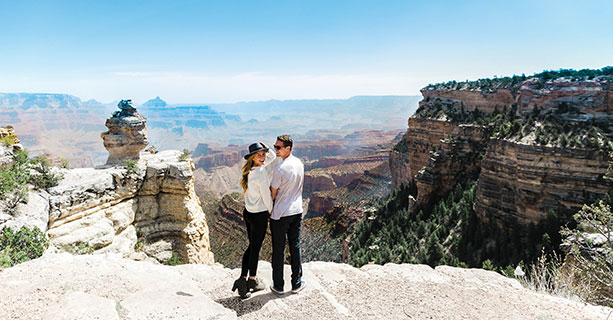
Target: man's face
(281, 151)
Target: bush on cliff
(13, 182)
(23, 245)
(591, 250)
(44, 177)
(514, 82)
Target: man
(286, 216)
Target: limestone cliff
(153, 209)
(522, 171)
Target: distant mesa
(157, 102)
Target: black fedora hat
(255, 147)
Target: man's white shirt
(287, 178)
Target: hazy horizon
(194, 52)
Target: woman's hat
(255, 147)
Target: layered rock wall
(518, 180)
(484, 100)
(457, 160)
(585, 99)
(522, 182)
(401, 167)
(590, 98)
(154, 210)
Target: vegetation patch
(184, 156)
(13, 182)
(448, 232)
(8, 140)
(44, 176)
(78, 248)
(21, 246)
(514, 82)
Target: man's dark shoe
(256, 284)
(299, 288)
(276, 291)
(243, 289)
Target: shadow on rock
(244, 306)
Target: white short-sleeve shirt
(287, 179)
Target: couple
(281, 199)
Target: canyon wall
(522, 182)
(518, 179)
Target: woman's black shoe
(243, 289)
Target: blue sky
(225, 51)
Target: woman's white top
(257, 196)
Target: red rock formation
(486, 101)
(227, 159)
(317, 181)
(593, 97)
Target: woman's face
(258, 159)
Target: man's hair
(287, 141)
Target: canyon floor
(64, 286)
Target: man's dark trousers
(286, 226)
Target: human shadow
(253, 303)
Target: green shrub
(64, 163)
(130, 167)
(45, 178)
(184, 156)
(592, 262)
(174, 260)
(23, 245)
(8, 140)
(488, 265)
(78, 248)
(13, 182)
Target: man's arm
(273, 193)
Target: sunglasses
(277, 147)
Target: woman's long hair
(246, 169)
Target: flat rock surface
(105, 286)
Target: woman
(258, 204)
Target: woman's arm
(270, 155)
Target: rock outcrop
(9, 144)
(151, 208)
(108, 287)
(483, 100)
(339, 175)
(519, 179)
(592, 98)
(589, 98)
(127, 134)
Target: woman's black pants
(257, 223)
